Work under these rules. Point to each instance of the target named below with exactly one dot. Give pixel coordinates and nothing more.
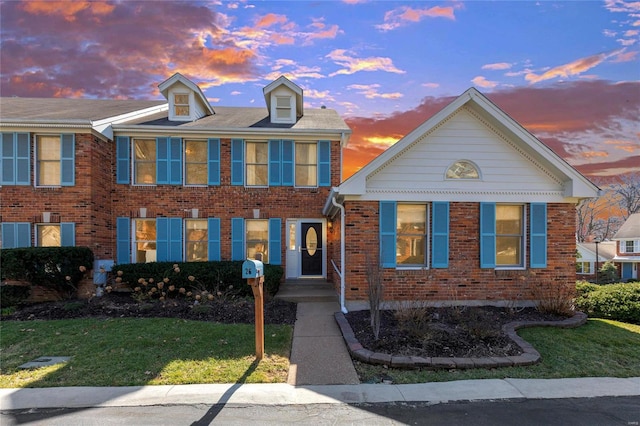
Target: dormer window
(181, 105)
(283, 107)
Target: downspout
(342, 254)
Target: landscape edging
(529, 354)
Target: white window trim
(428, 236)
(524, 245)
(590, 267)
(184, 163)
(295, 147)
(246, 164)
(172, 106)
(36, 164)
(134, 160)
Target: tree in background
(627, 190)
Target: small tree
(374, 277)
(608, 273)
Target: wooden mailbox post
(253, 272)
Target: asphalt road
(573, 411)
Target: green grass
(601, 348)
(129, 352)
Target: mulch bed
(115, 305)
(445, 332)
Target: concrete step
(299, 291)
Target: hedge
(59, 268)
(214, 277)
(620, 302)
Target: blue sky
(568, 71)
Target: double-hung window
(584, 268)
(257, 239)
(306, 164)
(145, 241)
(144, 161)
(509, 235)
(196, 240)
(195, 158)
(55, 234)
(181, 104)
(257, 163)
(411, 235)
(630, 246)
(55, 160)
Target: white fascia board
(307, 134)
(104, 126)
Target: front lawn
(149, 351)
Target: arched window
(463, 169)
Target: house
(627, 256)
(586, 264)
(174, 179)
(467, 208)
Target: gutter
(342, 254)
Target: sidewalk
(285, 394)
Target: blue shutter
(9, 233)
(14, 159)
(213, 161)
(169, 239)
(23, 234)
(324, 163)
(23, 162)
(388, 234)
(9, 155)
(67, 160)
(123, 151)
(213, 230)
(287, 163)
(237, 162)
(175, 161)
(162, 160)
(67, 234)
(275, 241)
(538, 237)
(123, 240)
(487, 235)
(275, 163)
(237, 238)
(440, 232)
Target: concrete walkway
(319, 355)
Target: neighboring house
(172, 180)
(586, 261)
(467, 208)
(628, 248)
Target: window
(630, 246)
(283, 107)
(196, 240)
(195, 157)
(411, 235)
(414, 235)
(48, 236)
(257, 159)
(257, 239)
(48, 160)
(306, 164)
(584, 268)
(144, 161)
(509, 235)
(462, 170)
(145, 248)
(181, 104)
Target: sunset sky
(568, 71)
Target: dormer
(284, 101)
(186, 100)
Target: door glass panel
(312, 241)
(292, 236)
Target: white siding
(422, 166)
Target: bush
(608, 273)
(13, 295)
(176, 279)
(583, 287)
(58, 268)
(620, 302)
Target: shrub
(608, 273)
(554, 298)
(583, 287)
(221, 279)
(58, 268)
(12, 295)
(620, 302)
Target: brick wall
(463, 280)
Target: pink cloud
(403, 15)
(576, 67)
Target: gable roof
(575, 185)
(177, 77)
(630, 229)
(606, 251)
(284, 81)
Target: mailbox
(252, 269)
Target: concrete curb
(529, 354)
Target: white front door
(306, 254)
